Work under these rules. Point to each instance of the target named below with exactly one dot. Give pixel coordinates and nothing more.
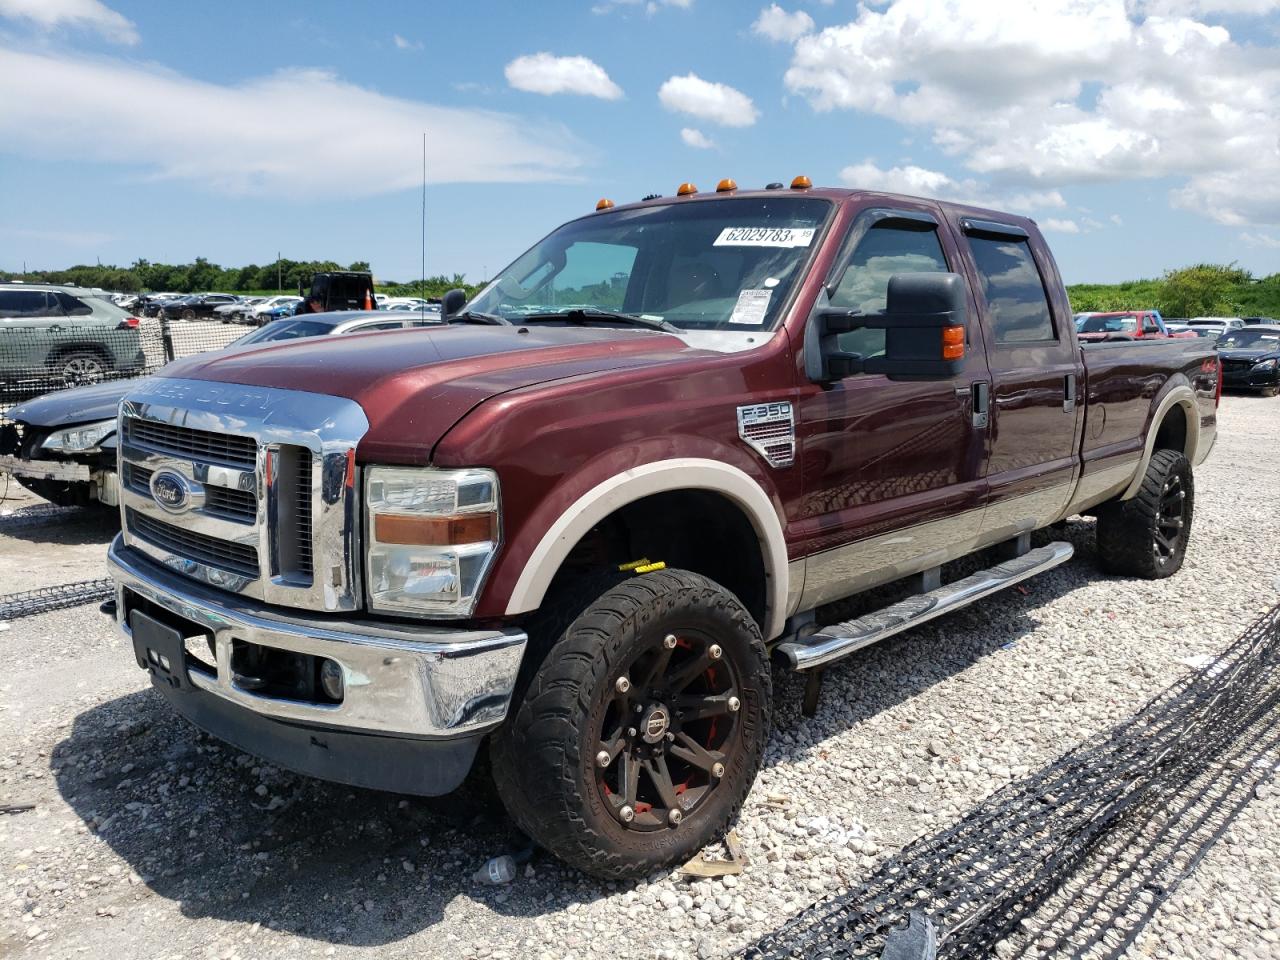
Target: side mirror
(924, 332)
(453, 301)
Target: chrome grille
(234, 557)
(302, 494)
(238, 505)
(188, 442)
(261, 501)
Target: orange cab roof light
(801, 183)
(604, 203)
(725, 185)
(685, 189)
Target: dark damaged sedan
(1251, 359)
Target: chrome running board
(840, 639)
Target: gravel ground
(151, 840)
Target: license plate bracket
(160, 650)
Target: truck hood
(61, 408)
(415, 384)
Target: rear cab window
(1017, 304)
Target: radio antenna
(423, 283)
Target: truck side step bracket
(840, 639)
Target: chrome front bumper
(399, 681)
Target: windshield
(716, 264)
(1250, 340)
(285, 330)
(1104, 324)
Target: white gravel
(150, 840)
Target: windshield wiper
(583, 314)
(475, 316)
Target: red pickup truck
(579, 521)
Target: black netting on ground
(40, 354)
(32, 602)
(1073, 860)
(40, 515)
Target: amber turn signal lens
(604, 204)
(801, 183)
(953, 343)
(685, 189)
(435, 531)
(725, 185)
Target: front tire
(1147, 535)
(643, 729)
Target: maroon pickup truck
(581, 520)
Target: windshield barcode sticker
(751, 307)
(765, 237)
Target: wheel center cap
(655, 724)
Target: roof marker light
(801, 183)
(725, 185)
(604, 203)
(685, 189)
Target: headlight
(432, 535)
(80, 439)
(1265, 365)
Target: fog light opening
(331, 680)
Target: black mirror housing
(925, 328)
(452, 302)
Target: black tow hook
(108, 607)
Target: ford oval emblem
(171, 490)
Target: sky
(1142, 135)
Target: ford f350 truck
(581, 520)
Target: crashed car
(62, 446)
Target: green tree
(1205, 289)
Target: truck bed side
(1141, 396)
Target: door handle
(1069, 397)
(981, 404)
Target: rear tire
(1271, 391)
(688, 654)
(1147, 535)
(77, 367)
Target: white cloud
(1261, 240)
(1200, 8)
(921, 182)
(1069, 91)
(119, 112)
(88, 14)
(1054, 225)
(776, 24)
(403, 44)
(714, 102)
(547, 74)
(649, 7)
(696, 138)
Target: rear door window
(71, 306)
(1017, 304)
(25, 303)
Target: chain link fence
(39, 355)
(1071, 861)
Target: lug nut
(714, 651)
(734, 704)
(631, 731)
(627, 814)
(669, 641)
(623, 685)
(602, 758)
(671, 737)
(717, 770)
(675, 816)
(639, 708)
